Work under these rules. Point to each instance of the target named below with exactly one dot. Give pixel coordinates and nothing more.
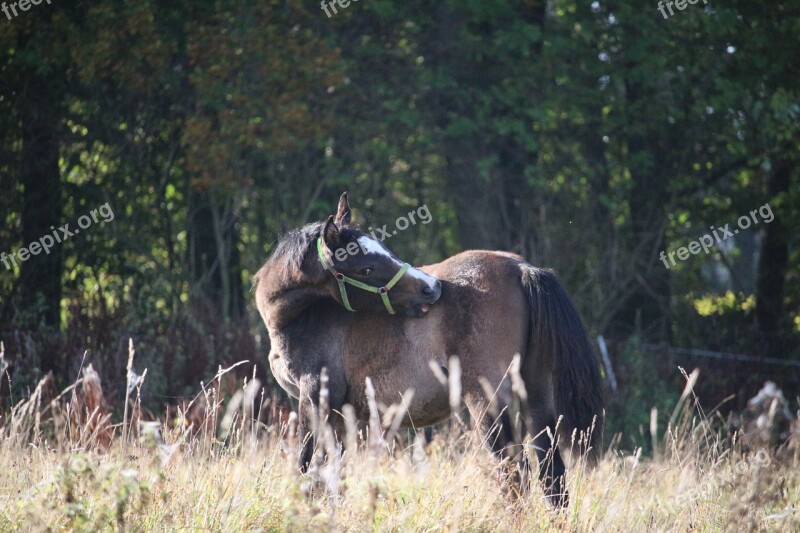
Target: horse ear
(343, 215)
(331, 234)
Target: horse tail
(560, 345)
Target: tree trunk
(645, 310)
(214, 257)
(772, 264)
(42, 210)
(491, 212)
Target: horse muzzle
(428, 295)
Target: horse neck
(280, 306)
(284, 295)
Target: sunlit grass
(247, 481)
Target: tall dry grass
(60, 470)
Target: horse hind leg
(536, 415)
(500, 434)
(504, 429)
(552, 472)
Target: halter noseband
(341, 279)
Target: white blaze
(371, 246)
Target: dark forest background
(587, 136)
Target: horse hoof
(557, 500)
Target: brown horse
(333, 296)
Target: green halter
(341, 279)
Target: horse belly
(429, 405)
(428, 409)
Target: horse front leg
(307, 419)
(320, 396)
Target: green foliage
(93, 496)
(718, 322)
(718, 305)
(647, 381)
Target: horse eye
(365, 271)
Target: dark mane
(292, 248)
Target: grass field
(241, 477)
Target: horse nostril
(433, 292)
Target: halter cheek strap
(341, 279)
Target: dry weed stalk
(90, 414)
(375, 440)
(128, 379)
(23, 425)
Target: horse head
(364, 275)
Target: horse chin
(418, 310)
